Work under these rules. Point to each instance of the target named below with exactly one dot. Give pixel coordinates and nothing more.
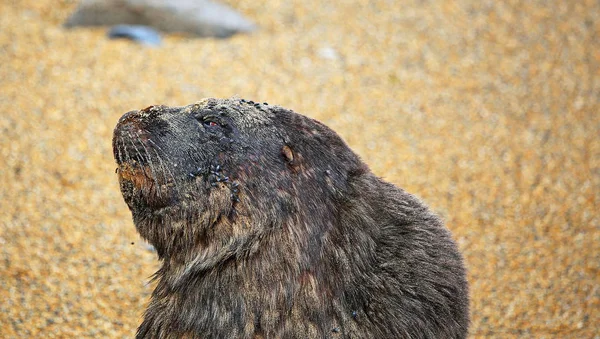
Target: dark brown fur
(269, 226)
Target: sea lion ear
(288, 155)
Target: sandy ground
(488, 110)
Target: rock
(198, 17)
(142, 34)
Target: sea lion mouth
(142, 185)
(134, 172)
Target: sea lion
(269, 226)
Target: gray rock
(199, 17)
(142, 34)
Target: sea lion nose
(141, 116)
(131, 115)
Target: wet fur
(269, 226)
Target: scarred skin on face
(269, 226)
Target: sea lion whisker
(161, 166)
(140, 158)
(196, 151)
(119, 154)
(137, 157)
(155, 183)
(126, 155)
(164, 168)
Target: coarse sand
(488, 110)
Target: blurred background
(488, 110)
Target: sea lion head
(208, 181)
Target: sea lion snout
(128, 138)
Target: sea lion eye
(209, 121)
